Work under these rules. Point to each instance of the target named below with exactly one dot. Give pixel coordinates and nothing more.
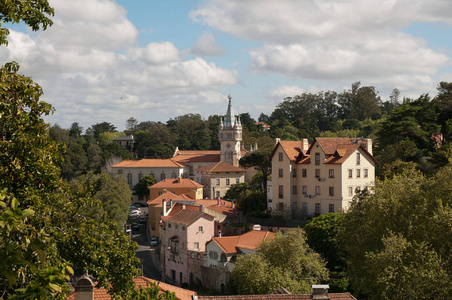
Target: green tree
(259, 159)
(99, 128)
(142, 187)
(235, 190)
(131, 126)
(113, 193)
(284, 261)
(398, 237)
(44, 235)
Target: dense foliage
(398, 238)
(284, 261)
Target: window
(317, 208)
(281, 191)
(140, 175)
(331, 208)
(294, 173)
(358, 173)
(129, 178)
(184, 245)
(303, 173)
(227, 181)
(350, 191)
(176, 227)
(350, 173)
(217, 181)
(294, 190)
(304, 190)
(331, 173)
(294, 206)
(200, 229)
(183, 228)
(280, 172)
(358, 158)
(196, 246)
(280, 156)
(317, 173)
(317, 190)
(304, 208)
(160, 192)
(317, 159)
(366, 173)
(331, 191)
(217, 194)
(173, 275)
(120, 171)
(280, 206)
(162, 176)
(173, 175)
(237, 180)
(213, 255)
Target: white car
(134, 213)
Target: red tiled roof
(187, 217)
(141, 281)
(187, 156)
(176, 183)
(149, 163)
(291, 148)
(252, 239)
(157, 201)
(333, 296)
(220, 167)
(249, 240)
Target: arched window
(223, 258)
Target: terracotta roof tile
(333, 296)
(149, 163)
(292, 148)
(176, 183)
(187, 217)
(157, 201)
(141, 281)
(220, 167)
(252, 239)
(227, 243)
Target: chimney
(164, 206)
(183, 206)
(320, 292)
(202, 208)
(256, 227)
(369, 146)
(305, 144)
(218, 201)
(84, 289)
(277, 140)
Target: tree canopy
(284, 261)
(398, 237)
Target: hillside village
(332, 195)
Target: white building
(322, 177)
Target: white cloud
(336, 41)
(92, 70)
(206, 45)
(284, 91)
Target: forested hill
(402, 129)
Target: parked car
(143, 219)
(136, 204)
(154, 241)
(135, 226)
(134, 213)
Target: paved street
(146, 253)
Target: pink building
(187, 233)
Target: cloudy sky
(155, 60)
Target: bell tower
(230, 136)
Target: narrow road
(146, 253)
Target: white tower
(230, 136)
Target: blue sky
(155, 60)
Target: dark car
(154, 241)
(135, 226)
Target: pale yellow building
(319, 178)
(218, 178)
